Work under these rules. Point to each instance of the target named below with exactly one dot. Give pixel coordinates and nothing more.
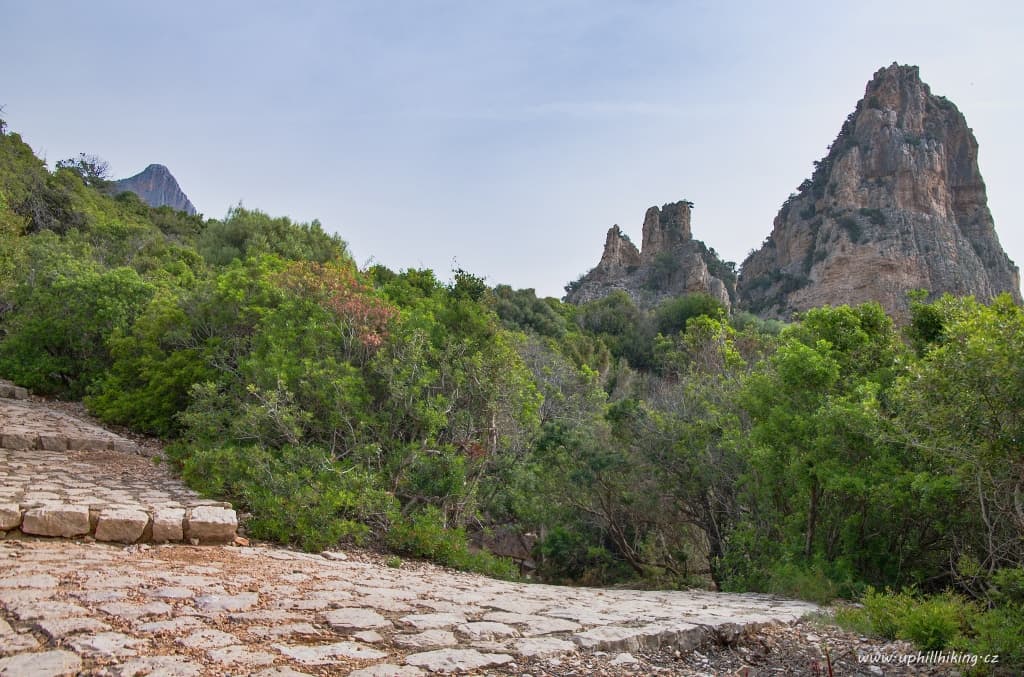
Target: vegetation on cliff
(665, 447)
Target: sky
(503, 138)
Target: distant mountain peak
(157, 187)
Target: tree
(962, 404)
(94, 170)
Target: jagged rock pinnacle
(897, 204)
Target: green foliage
(297, 495)
(962, 403)
(814, 582)
(248, 233)
(622, 327)
(93, 170)
(424, 534)
(852, 227)
(670, 316)
(996, 632)
(571, 556)
(926, 322)
(56, 337)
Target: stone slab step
(202, 524)
(21, 441)
(12, 392)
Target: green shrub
(876, 216)
(852, 228)
(56, 342)
(298, 495)
(996, 632)
(804, 582)
(934, 622)
(1008, 587)
(570, 555)
(423, 534)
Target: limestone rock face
(670, 263)
(897, 204)
(666, 228)
(620, 254)
(157, 187)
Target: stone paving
(185, 610)
(60, 476)
(78, 606)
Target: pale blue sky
(507, 136)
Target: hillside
(602, 444)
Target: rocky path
(78, 605)
(64, 477)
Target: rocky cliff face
(670, 263)
(897, 204)
(157, 187)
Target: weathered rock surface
(157, 187)
(57, 520)
(123, 525)
(670, 263)
(897, 204)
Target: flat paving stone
(237, 654)
(286, 630)
(533, 625)
(208, 638)
(116, 644)
(214, 603)
(129, 611)
(430, 621)
(531, 647)
(457, 660)
(173, 625)
(355, 619)
(158, 666)
(325, 654)
(387, 670)
(428, 639)
(58, 628)
(46, 664)
(44, 609)
(14, 642)
(30, 581)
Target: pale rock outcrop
(897, 204)
(670, 263)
